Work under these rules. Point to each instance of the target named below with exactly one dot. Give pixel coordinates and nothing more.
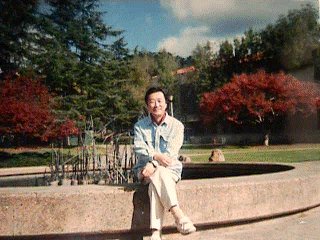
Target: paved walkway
(301, 226)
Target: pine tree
(85, 62)
(16, 33)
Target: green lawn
(198, 154)
(278, 153)
(24, 159)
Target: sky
(179, 25)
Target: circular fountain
(211, 194)
(42, 176)
(45, 202)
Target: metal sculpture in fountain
(89, 166)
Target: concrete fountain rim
(229, 199)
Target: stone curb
(28, 211)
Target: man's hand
(148, 170)
(164, 160)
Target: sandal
(185, 226)
(155, 238)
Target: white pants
(162, 194)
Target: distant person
(157, 141)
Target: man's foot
(185, 226)
(156, 235)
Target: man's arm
(141, 147)
(144, 152)
(175, 141)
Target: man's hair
(153, 90)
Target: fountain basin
(31, 177)
(88, 209)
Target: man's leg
(156, 208)
(163, 185)
(162, 194)
(156, 213)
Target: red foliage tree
(25, 110)
(318, 103)
(60, 130)
(259, 98)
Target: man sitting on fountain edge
(157, 141)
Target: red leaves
(68, 128)
(60, 130)
(258, 96)
(24, 107)
(25, 110)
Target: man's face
(157, 104)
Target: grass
(278, 153)
(24, 159)
(10, 157)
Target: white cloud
(222, 9)
(221, 19)
(187, 40)
(231, 16)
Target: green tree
(166, 67)
(143, 68)
(85, 62)
(203, 57)
(225, 53)
(224, 65)
(316, 62)
(287, 44)
(248, 53)
(17, 18)
(213, 69)
(290, 41)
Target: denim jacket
(149, 138)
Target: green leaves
(16, 33)
(292, 38)
(84, 61)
